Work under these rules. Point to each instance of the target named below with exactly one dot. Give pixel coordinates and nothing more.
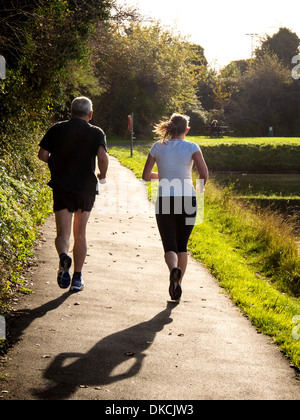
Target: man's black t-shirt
(73, 146)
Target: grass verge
(253, 255)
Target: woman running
(176, 206)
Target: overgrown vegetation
(253, 254)
(263, 238)
(39, 40)
(25, 201)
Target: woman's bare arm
(148, 175)
(201, 166)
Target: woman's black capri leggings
(176, 217)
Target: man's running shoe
(63, 275)
(175, 287)
(77, 285)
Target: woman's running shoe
(63, 275)
(175, 287)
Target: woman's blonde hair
(173, 127)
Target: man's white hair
(81, 107)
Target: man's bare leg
(62, 242)
(80, 243)
(63, 231)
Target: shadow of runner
(22, 318)
(95, 368)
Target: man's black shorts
(72, 202)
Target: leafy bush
(25, 201)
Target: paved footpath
(121, 339)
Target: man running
(70, 148)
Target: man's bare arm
(44, 155)
(103, 162)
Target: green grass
(246, 154)
(253, 255)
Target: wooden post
(131, 140)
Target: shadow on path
(24, 317)
(95, 368)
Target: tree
(52, 28)
(284, 44)
(39, 39)
(255, 94)
(261, 99)
(143, 69)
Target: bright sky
(220, 26)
